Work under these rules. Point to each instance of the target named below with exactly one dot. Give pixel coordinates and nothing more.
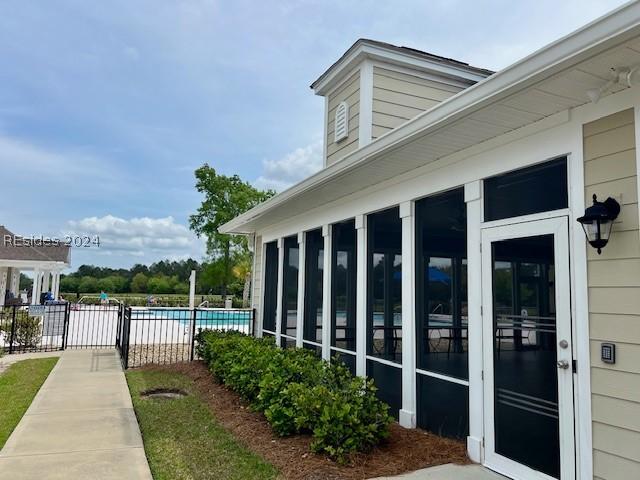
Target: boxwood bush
(298, 392)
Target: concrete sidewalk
(80, 425)
(449, 472)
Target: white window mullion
(326, 292)
(361, 295)
(472, 198)
(407, 416)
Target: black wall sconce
(597, 221)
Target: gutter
(604, 33)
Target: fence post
(13, 329)
(65, 326)
(193, 334)
(253, 323)
(125, 344)
(119, 325)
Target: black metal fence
(168, 335)
(142, 335)
(25, 328)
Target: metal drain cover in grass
(164, 393)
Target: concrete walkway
(450, 472)
(80, 425)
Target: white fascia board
(615, 28)
(363, 50)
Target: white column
(361, 295)
(56, 291)
(46, 280)
(472, 197)
(3, 284)
(15, 281)
(54, 279)
(301, 288)
(407, 416)
(35, 291)
(326, 293)
(279, 290)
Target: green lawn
(182, 439)
(18, 385)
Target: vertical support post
(361, 295)
(35, 291)
(45, 281)
(4, 273)
(326, 292)
(472, 197)
(301, 288)
(15, 281)
(407, 415)
(192, 290)
(279, 291)
(65, 329)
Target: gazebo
(44, 257)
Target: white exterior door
(528, 370)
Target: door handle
(563, 364)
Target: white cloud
(138, 236)
(292, 168)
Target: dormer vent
(341, 122)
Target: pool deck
(80, 425)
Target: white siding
(614, 299)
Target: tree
(224, 199)
(69, 284)
(88, 284)
(139, 283)
(242, 271)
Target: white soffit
(547, 82)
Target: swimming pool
(204, 318)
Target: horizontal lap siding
(614, 299)
(398, 97)
(349, 92)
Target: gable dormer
(375, 87)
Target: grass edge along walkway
(182, 439)
(19, 384)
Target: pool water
(204, 318)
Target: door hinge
(481, 310)
(574, 366)
(482, 374)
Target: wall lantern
(597, 221)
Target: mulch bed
(404, 451)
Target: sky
(108, 107)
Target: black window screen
(441, 283)
(270, 287)
(290, 290)
(314, 271)
(343, 286)
(384, 272)
(540, 188)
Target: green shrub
(27, 331)
(299, 392)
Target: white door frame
(558, 227)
